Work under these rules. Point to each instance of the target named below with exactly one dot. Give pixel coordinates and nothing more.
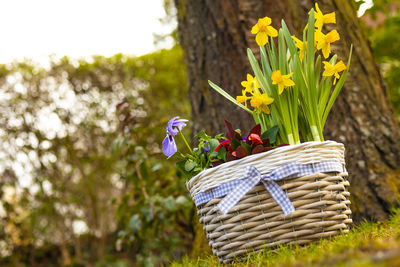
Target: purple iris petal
(169, 146)
(175, 125)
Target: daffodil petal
(249, 78)
(288, 75)
(255, 29)
(319, 23)
(271, 31)
(332, 36)
(288, 83)
(262, 38)
(329, 18)
(280, 88)
(266, 21)
(326, 50)
(340, 66)
(317, 8)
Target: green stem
(315, 133)
(184, 139)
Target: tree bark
(215, 35)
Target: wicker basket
(320, 199)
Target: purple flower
(169, 146)
(206, 146)
(174, 125)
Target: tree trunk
(215, 35)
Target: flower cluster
(289, 90)
(259, 101)
(213, 151)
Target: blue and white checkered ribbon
(235, 190)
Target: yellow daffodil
(282, 81)
(250, 83)
(263, 30)
(333, 70)
(321, 19)
(300, 46)
(242, 98)
(324, 41)
(261, 102)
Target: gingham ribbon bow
(252, 177)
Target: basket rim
(245, 160)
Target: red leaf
(266, 142)
(229, 157)
(237, 136)
(256, 130)
(283, 145)
(229, 133)
(258, 149)
(240, 152)
(216, 163)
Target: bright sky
(78, 28)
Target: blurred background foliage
(83, 180)
(382, 26)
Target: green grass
(368, 244)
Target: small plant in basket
(213, 151)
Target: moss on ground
(368, 244)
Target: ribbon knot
(252, 177)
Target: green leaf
(156, 167)
(222, 153)
(266, 68)
(177, 156)
(235, 143)
(214, 154)
(169, 203)
(282, 52)
(144, 171)
(183, 201)
(189, 165)
(273, 57)
(289, 40)
(271, 134)
(318, 68)
(202, 135)
(181, 165)
(337, 89)
(135, 223)
(227, 96)
(214, 143)
(257, 71)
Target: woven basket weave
(321, 202)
